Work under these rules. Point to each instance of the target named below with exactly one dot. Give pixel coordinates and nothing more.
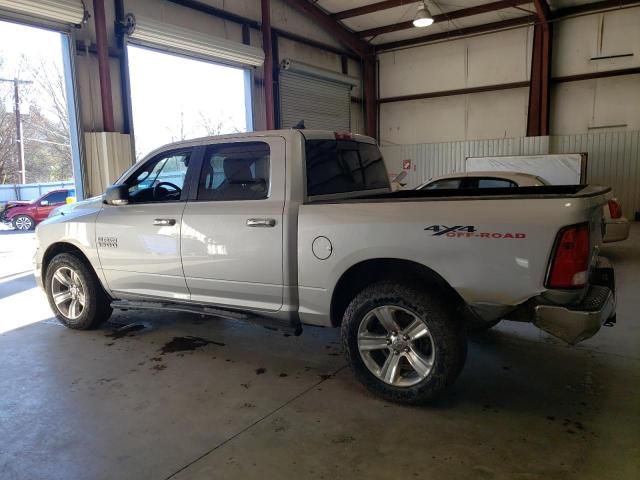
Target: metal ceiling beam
(592, 7)
(449, 93)
(374, 7)
(593, 75)
(460, 32)
(232, 17)
(331, 26)
(443, 17)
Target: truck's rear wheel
(401, 343)
(75, 294)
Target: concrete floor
(258, 404)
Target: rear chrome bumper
(577, 322)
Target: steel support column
(102, 45)
(540, 89)
(369, 76)
(267, 46)
(123, 66)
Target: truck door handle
(261, 222)
(164, 222)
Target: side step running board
(289, 326)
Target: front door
(139, 243)
(232, 225)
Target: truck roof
(288, 134)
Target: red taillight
(570, 265)
(614, 208)
(343, 135)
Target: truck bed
(547, 192)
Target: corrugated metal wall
(613, 158)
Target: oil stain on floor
(186, 344)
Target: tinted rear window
(339, 166)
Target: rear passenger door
(232, 230)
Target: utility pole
(19, 140)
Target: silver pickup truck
(300, 227)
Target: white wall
(504, 57)
(601, 104)
(499, 58)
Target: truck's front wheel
(401, 343)
(75, 294)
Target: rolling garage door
(321, 98)
(145, 31)
(64, 11)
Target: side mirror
(44, 203)
(117, 195)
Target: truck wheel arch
(58, 248)
(362, 274)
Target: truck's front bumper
(575, 323)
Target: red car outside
(26, 215)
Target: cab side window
(235, 171)
(160, 179)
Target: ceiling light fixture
(423, 17)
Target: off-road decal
(470, 231)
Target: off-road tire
(97, 303)
(448, 334)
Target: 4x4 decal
(469, 231)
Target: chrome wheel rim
(396, 345)
(23, 223)
(68, 292)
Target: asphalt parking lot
(167, 395)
